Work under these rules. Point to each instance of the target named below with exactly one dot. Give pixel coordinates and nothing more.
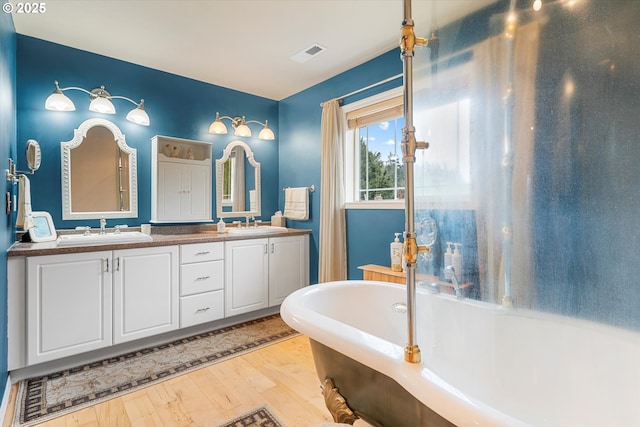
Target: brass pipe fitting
(411, 249)
(412, 354)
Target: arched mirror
(237, 182)
(99, 176)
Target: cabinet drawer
(198, 252)
(201, 308)
(201, 277)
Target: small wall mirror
(99, 176)
(33, 155)
(237, 182)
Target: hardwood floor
(281, 375)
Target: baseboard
(5, 400)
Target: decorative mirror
(237, 182)
(99, 178)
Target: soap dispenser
(447, 261)
(396, 254)
(221, 226)
(456, 260)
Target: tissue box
(278, 221)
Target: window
(381, 169)
(374, 155)
(375, 170)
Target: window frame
(352, 158)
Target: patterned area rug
(257, 417)
(53, 395)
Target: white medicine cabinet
(180, 180)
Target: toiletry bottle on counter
(456, 260)
(396, 254)
(447, 261)
(221, 226)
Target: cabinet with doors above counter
(180, 180)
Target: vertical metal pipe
(412, 351)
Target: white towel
(24, 219)
(296, 203)
(252, 200)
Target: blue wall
(178, 107)
(300, 117)
(7, 149)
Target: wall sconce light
(241, 128)
(100, 103)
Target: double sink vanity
(90, 295)
(66, 300)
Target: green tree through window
(381, 175)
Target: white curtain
(333, 237)
(490, 85)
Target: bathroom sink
(105, 239)
(251, 230)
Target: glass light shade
(242, 130)
(217, 127)
(102, 105)
(138, 116)
(266, 133)
(58, 101)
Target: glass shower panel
(533, 120)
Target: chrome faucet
(249, 218)
(454, 280)
(103, 225)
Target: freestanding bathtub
(482, 365)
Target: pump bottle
(456, 260)
(396, 254)
(447, 261)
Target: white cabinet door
(68, 304)
(246, 276)
(183, 192)
(288, 266)
(145, 292)
(169, 191)
(196, 195)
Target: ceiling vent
(308, 53)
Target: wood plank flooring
(281, 375)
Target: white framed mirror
(99, 173)
(237, 182)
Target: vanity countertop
(178, 237)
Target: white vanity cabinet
(145, 292)
(180, 180)
(288, 266)
(85, 301)
(69, 301)
(260, 273)
(201, 283)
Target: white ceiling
(244, 45)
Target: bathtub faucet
(454, 280)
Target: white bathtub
(482, 365)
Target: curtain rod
(381, 82)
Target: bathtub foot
(336, 404)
